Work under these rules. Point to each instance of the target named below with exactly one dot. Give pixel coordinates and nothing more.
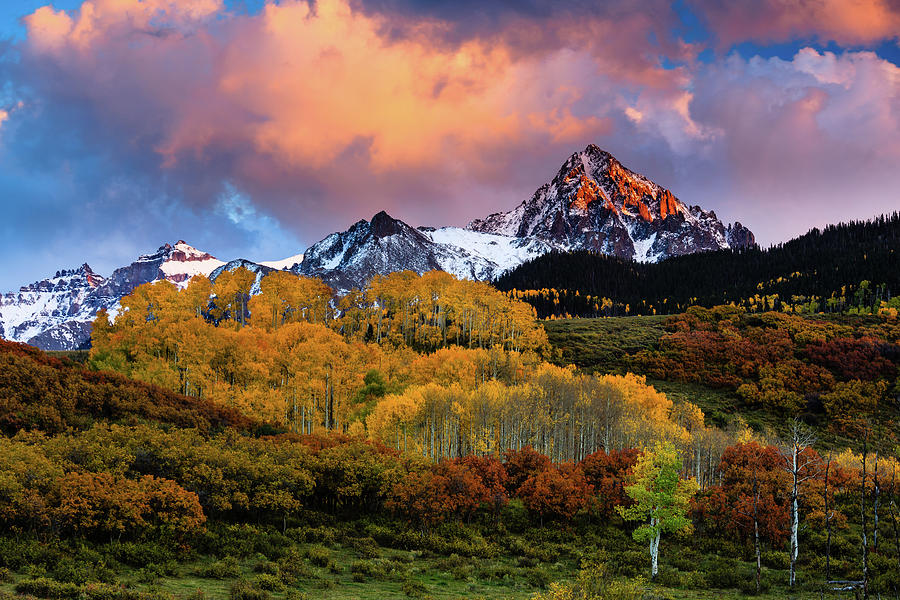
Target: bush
(293, 566)
(630, 563)
(17, 554)
(694, 580)
(319, 535)
(497, 572)
(5, 575)
(269, 582)
(363, 567)
(366, 547)
(776, 560)
(526, 562)
(227, 568)
(684, 561)
(48, 588)
(669, 578)
(244, 590)
(320, 556)
(537, 577)
(730, 575)
(414, 588)
(136, 554)
(266, 566)
(231, 540)
(71, 571)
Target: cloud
(845, 22)
(805, 141)
(324, 113)
(281, 126)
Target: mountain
(56, 313)
(595, 203)
(261, 270)
(384, 245)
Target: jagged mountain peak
(596, 203)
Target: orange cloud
(302, 84)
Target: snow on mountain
(261, 270)
(484, 256)
(284, 263)
(383, 245)
(56, 313)
(348, 259)
(45, 305)
(184, 261)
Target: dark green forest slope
(848, 267)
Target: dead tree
(800, 464)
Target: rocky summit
(596, 203)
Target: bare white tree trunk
(654, 550)
(800, 466)
(795, 517)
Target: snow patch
(284, 263)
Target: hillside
(834, 371)
(426, 447)
(43, 393)
(843, 268)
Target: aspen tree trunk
(795, 520)
(756, 529)
(875, 500)
(893, 506)
(654, 549)
(862, 510)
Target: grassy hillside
(705, 358)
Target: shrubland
(427, 440)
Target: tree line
(844, 268)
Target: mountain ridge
(593, 202)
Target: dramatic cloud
(306, 108)
(165, 119)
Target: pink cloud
(324, 116)
(304, 107)
(813, 140)
(846, 22)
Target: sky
(254, 128)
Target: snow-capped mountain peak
(284, 263)
(596, 203)
(183, 261)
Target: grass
(423, 574)
(603, 345)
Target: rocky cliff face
(40, 310)
(595, 203)
(385, 245)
